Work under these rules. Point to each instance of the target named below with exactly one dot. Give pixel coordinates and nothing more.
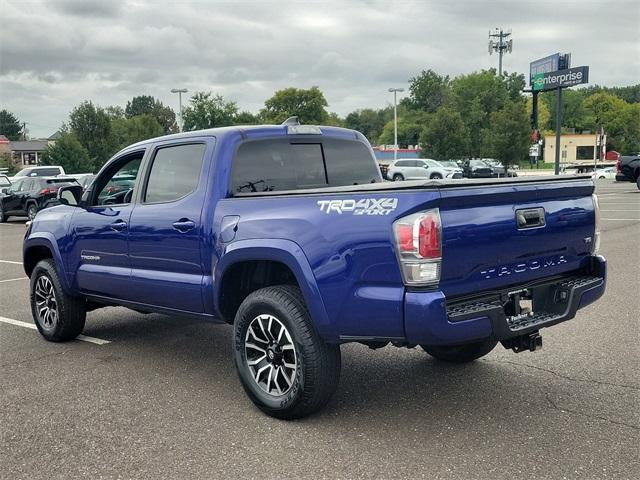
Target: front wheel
(3, 216)
(287, 370)
(638, 182)
(435, 176)
(461, 353)
(58, 316)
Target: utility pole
(180, 91)
(24, 131)
(500, 46)
(395, 120)
(558, 128)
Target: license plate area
(519, 305)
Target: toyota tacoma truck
(288, 233)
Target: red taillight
(429, 236)
(47, 191)
(404, 232)
(618, 166)
(419, 245)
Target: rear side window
(284, 164)
(45, 172)
(402, 163)
(175, 172)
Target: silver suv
(419, 169)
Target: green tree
(135, 129)
(445, 137)
(573, 113)
(7, 163)
(10, 126)
(509, 136)
(428, 91)
(484, 87)
(148, 105)
(208, 111)
(308, 105)
(369, 122)
(69, 153)
(410, 126)
(92, 127)
(246, 118)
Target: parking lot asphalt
(162, 400)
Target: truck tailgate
(501, 235)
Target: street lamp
(180, 91)
(395, 120)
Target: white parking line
(623, 219)
(84, 338)
(14, 279)
(11, 261)
(620, 210)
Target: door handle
(118, 226)
(184, 225)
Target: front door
(165, 233)
(99, 251)
(11, 201)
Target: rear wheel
(287, 370)
(58, 316)
(32, 210)
(398, 177)
(461, 353)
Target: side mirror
(70, 195)
(5, 190)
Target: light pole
(180, 91)
(395, 120)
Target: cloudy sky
(55, 54)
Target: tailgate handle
(530, 218)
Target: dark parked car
(28, 195)
(4, 182)
(476, 169)
(628, 168)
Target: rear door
(166, 233)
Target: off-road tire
(318, 363)
(70, 311)
(398, 177)
(461, 353)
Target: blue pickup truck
(288, 233)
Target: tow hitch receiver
(531, 342)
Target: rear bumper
(621, 177)
(432, 320)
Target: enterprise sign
(561, 78)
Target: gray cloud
(53, 55)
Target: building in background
(575, 148)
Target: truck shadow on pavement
(393, 385)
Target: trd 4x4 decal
(364, 206)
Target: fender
(46, 239)
(288, 253)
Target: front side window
(16, 186)
(175, 172)
(117, 187)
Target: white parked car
(42, 171)
(418, 169)
(601, 173)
